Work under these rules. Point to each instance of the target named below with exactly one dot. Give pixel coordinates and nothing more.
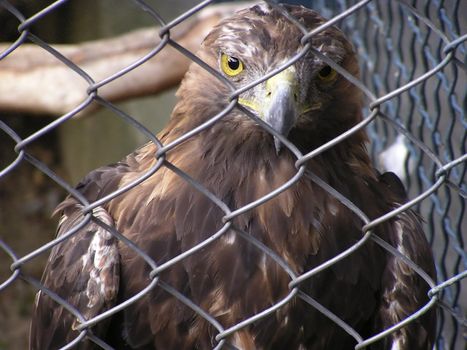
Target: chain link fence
(412, 56)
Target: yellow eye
(231, 65)
(327, 74)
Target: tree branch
(34, 81)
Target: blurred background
(394, 46)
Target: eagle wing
(404, 290)
(83, 270)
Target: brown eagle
(238, 161)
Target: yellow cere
(310, 108)
(231, 65)
(252, 105)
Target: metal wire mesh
(413, 75)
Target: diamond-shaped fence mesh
(412, 56)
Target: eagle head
(307, 101)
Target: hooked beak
(279, 103)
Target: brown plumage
(238, 161)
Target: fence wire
(413, 67)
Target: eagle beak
(277, 102)
(281, 103)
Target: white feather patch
(229, 238)
(99, 262)
(397, 344)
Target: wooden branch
(33, 81)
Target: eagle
(246, 262)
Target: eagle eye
(327, 74)
(231, 65)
